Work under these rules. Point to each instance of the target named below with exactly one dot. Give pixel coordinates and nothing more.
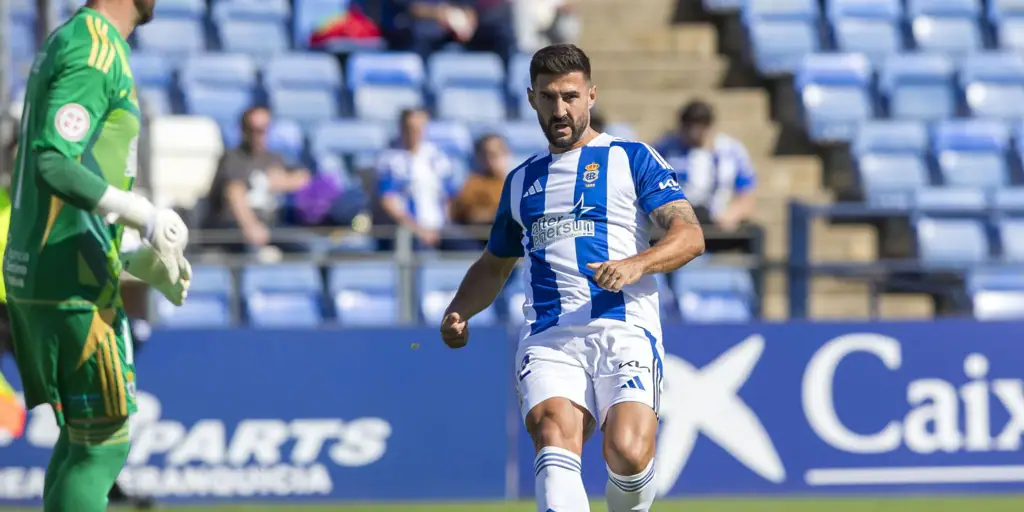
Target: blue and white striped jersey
(563, 211)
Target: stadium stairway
(647, 67)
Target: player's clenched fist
(613, 275)
(454, 330)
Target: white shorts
(596, 366)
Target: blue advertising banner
(318, 415)
(804, 408)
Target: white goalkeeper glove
(161, 261)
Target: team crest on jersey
(72, 122)
(591, 173)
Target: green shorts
(79, 362)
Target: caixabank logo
(855, 411)
(214, 458)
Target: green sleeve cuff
(70, 180)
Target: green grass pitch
(932, 504)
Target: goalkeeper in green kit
(70, 200)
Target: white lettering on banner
(262, 457)
(705, 401)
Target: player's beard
(577, 127)
(144, 9)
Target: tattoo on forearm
(680, 210)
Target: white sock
(631, 493)
(559, 484)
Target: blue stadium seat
(309, 14)
(465, 70)
(151, 70)
(519, 74)
(199, 311)
(258, 39)
(224, 104)
(713, 278)
(1010, 33)
(385, 103)
(782, 9)
(951, 242)
(918, 86)
(174, 39)
(22, 40)
(723, 6)
(180, 9)
(714, 307)
(871, 27)
(524, 137)
(438, 281)
(1011, 236)
(780, 46)
(283, 310)
(219, 70)
(1003, 9)
(991, 305)
(938, 199)
(363, 139)
(211, 280)
(451, 137)
(303, 71)
(385, 69)
(946, 26)
(286, 138)
(364, 292)
(993, 84)
(995, 278)
(1008, 199)
(972, 153)
(270, 11)
(155, 101)
(890, 161)
(471, 105)
(310, 108)
(283, 278)
(834, 92)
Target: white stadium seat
(184, 155)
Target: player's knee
(555, 423)
(628, 448)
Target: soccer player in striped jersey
(590, 354)
(71, 199)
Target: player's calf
(630, 431)
(96, 453)
(556, 426)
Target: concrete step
(611, 18)
(656, 73)
(631, 40)
(624, 105)
(851, 306)
(789, 176)
(848, 243)
(838, 306)
(776, 283)
(775, 307)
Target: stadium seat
(267, 11)
(1010, 33)
(1011, 237)
(184, 151)
(1001, 9)
(283, 295)
(303, 71)
(174, 39)
(220, 70)
(993, 84)
(938, 199)
(871, 27)
(972, 153)
(359, 139)
(257, 39)
(198, 312)
(918, 86)
(780, 46)
(283, 310)
(518, 82)
(364, 292)
(155, 101)
(179, 9)
(995, 278)
(438, 281)
(223, 105)
(834, 93)
(713, 278)
(385, 103)
(524, 137)
(451, 137)
(151, 70)
(723, 6)
(286, 138)
(1008, 199)
(385, 69)
(465, 70)
(471, 105)
(998, 305)
(310, 108)
(951, 242)
(281, 278)
(946, 26)
(714, 307)
(213, 280)
(21, 40)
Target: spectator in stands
(540, 23)
(717, 176)
(597, 121)
(248, 181)
(425, 26)
(477, 202)
(415, 181)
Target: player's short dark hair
(559, 59)
(697, 112)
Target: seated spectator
(477, 202)
(425, 26)
(717, 177)
(249, 179)
(415, 182)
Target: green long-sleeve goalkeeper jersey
(80, 103)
